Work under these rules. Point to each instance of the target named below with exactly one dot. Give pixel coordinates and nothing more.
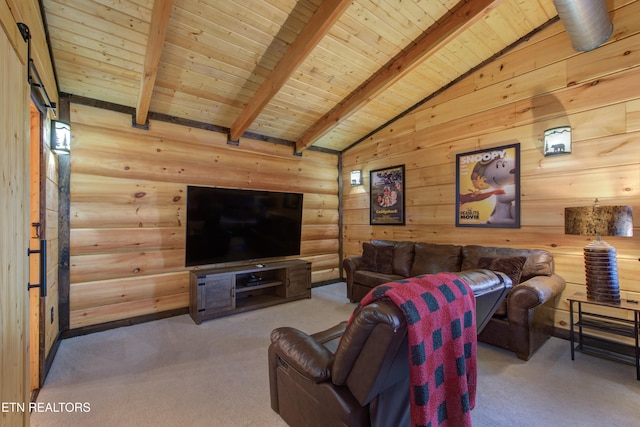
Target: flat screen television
(226, 225)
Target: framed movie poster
(488, 187)
(387, 196)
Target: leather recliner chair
(358, 374)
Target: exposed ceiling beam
(157, 31)
(428, 44)
(319, 24)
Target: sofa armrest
(303, 353)
(330, 334)
(535, 291)
(351, 265)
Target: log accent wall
(128, 208)
(540, 84)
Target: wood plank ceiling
(316, 73)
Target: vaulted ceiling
(316, 73)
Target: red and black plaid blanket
(441, 324)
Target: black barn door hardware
(43, 268)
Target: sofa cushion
(511, 266)
(402, 256)
(539, 262)
(431, 258)
(378, 258)
(372, 279)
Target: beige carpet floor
(172, 372)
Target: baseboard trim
(85, 330)
(326, 282)
(70, 333)
(561, 333)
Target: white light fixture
(356, 177)
(557, 140)
(60, 137)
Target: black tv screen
(225, 225)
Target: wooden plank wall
(541, 84)
(51, 314)
(14, 224)
(127, 212)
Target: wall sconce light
(356, 177)
(60, 137)
(557, 140)
(601, 265)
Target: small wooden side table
(599, 346)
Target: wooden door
(36, 257)
(14, 225)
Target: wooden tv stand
(223, 291)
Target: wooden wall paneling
(110, 266)
(101, 118)
(128, 201)
(150, 168)
(319, 216)
(611, 58)
(51, 311)
(400, 129)
(492, 120)
(106, 292)
(86, 241)
(105, 215)
(309, 247)
(575, 98)
(586, 96)
(595, 153)
(113, 142)
(325, 275)
(321, 201)
(541, 84)
(353, 200)
(621, 183)
(126, 310)
(125, 191)
(355, 216)
(633, 116)
(320, 231)
(541, 80)
(431, 195)
(324, 261)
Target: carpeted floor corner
(173, 372)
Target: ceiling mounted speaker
(586, 21)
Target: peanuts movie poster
(488, 187)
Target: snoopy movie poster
(488, 187)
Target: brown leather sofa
(357, 375)
(521, 324)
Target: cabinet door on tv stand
(299, 280)
(216, 294)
